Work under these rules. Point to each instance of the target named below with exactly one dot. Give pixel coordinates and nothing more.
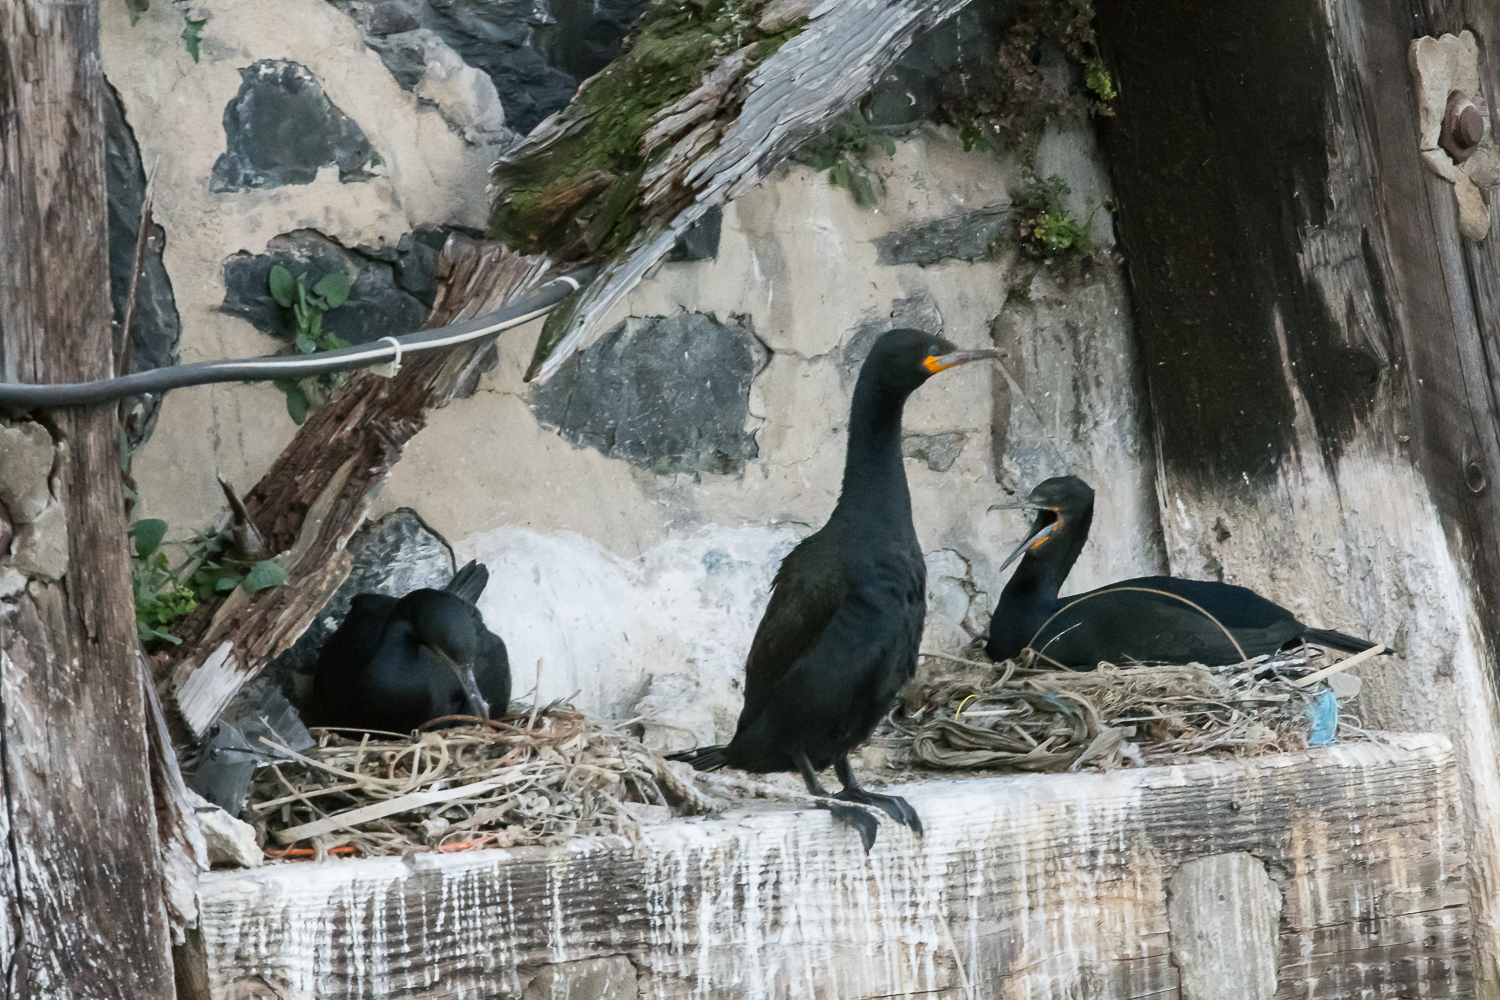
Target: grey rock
(230, 842)
(155, 327)
(281, 128)
(38, 546)
(404, 54)
(386, 17)
(26, 457)
(502, 38)
(909, 92)
(917, 312)
(966, 236)
(536, 52)
(939, 451)
(380, 303)
(669, 393)
(700, 241)
(422, 62)
(394, 556)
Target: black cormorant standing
(841, 632)
(1150, 618)
(396, 663)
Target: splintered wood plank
(1033, 886)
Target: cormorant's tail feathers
(704, 758)
(470, 581)
(1338, 640)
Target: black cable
(20, 396)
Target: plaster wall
(637, 589)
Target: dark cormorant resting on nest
(1151, 618)
(841, 632)
(396, 663)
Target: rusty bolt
(1463, 127)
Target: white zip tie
(391, 367)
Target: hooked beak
(1039, 533)
(477, 705)
(942, 362)
(1018, 505)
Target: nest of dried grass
(962, 714)
(532, 779)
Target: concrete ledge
(1347, 870)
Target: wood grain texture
(83, 896)
(1320, 345)
(816, 76)
(318, 491)
(1028, 886)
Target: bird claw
(853, 816)
(893, 806)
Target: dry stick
(143, 230)
(956, 659)
(1344, 664)
(536, 694)
(141, 234)
(350, 819)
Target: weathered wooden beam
(81, 911)
(817, 75)
(1348, 866)
(1319, 344)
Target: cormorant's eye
(933, 350)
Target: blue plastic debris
(1324, 715)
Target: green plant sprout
(159, 599)
(164, 596)
(303, 396)
(1048, 227)
(1098, 79)
(841, 150)
(192, 31)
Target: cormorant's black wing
(1163, 619)
(345, 656)
(492, 670)
(806, 593)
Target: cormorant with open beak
(1147, 619)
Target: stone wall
(633, 509)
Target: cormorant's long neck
(874, 479)
(1041, 573)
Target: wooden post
(1319, 342)
(81, 908)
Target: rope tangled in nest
(521, 781)
(1015, 717)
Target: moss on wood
(577, 193)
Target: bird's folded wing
(808, 590)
